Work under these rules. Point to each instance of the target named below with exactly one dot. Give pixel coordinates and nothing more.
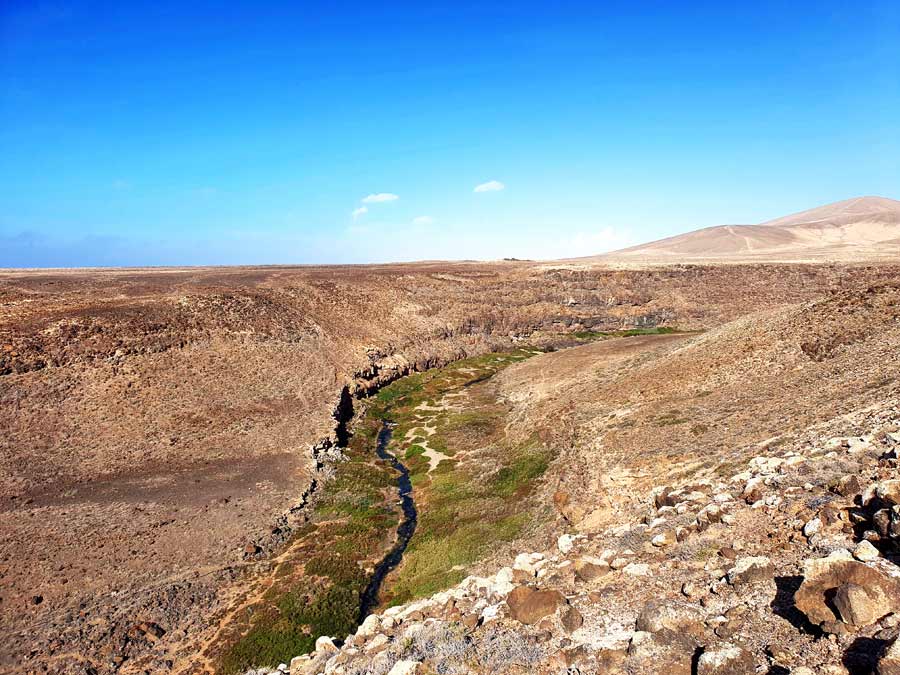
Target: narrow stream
(368, 599)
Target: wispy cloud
(120, 185)
(490, 186)
(423, 220)
(380, 197)
(359, 212)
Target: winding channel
(368, 599)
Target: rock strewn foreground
(787, 566)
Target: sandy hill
(864, 228)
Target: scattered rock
(662, 496)
(856, 606)
(865, 551)
(665, 651)
(369, 626)
(658, 615)
(729, 660)
(689, 589)
(888, 491)
(664, 538)
(751, 570)
(565, 543)
(528, 563)
(866, 594)
(637, 569)
(590, 568)
(812, 527)
(528, 605)
(325, 644)
(375, 644)
(848, 486)
(571, 619)
(310, 665)
(405, 668)
(753, 490)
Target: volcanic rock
(660, 615)
(837, 591)
(889, 663)
(528, 605)
(665, 651)
(726, 661)
(750, 570)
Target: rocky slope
(769, 547)
(786, 566)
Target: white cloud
(490, 186)
(423, 220)
(358, 212)
(380, 197)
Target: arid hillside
(725, 504)
(865, 228)
(641, 410)
(157, 426)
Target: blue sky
(149, 133)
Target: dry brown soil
(153, 423)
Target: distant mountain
(864, 228)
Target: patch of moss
(521, 473)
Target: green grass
(413, 450)
(291, 628)
(631, 332)
(461, 515)
(354, 519)
(521, 473)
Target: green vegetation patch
(631, 332)
(461, 514)
(414, 450)
(520, 474)
(352, 521)
(463, 510)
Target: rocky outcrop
(841, 594)
(750, 570)
(529, 605)
(665, 651)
